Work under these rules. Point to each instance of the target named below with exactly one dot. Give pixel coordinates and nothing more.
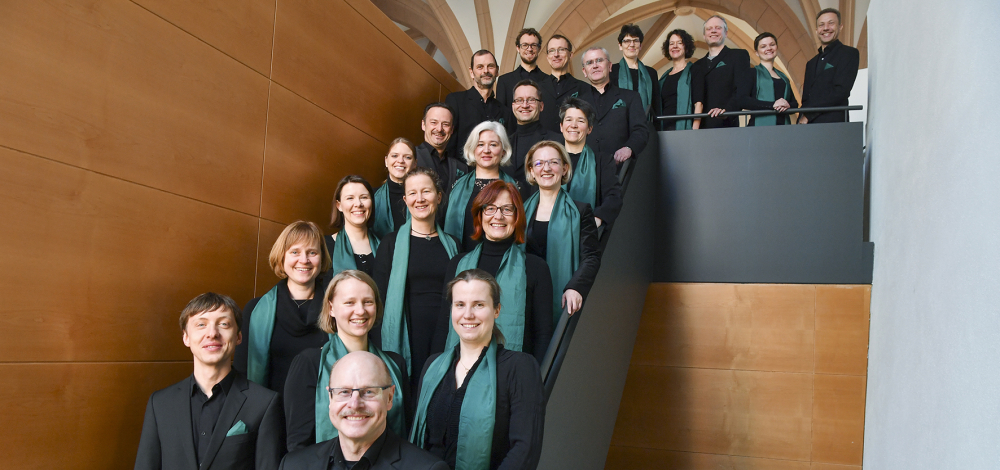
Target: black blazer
(624, 126)
(470, 110)
(456, 166)
(506, 82)
(721, 83)
(300, 397)
(520, 142)
(520, 410)
(590, 252)
(554, 93)
(167, 443)
(655, 106)
(829, 79)
(396, 453)
(609, 189)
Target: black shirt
(507, 82)
(526, 136)
(205, 412)
(470, 109)
(364, 263)
(668, 98)
(538, 237)
(445, 411)
(396, 205)
(367, 461)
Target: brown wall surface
(151, 150)
(746, 377)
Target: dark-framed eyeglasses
(520, 101)
(507, 210)
(525, 45)
(339, 394)
(557, 50)
(599, 60)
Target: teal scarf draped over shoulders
(512, 276)
(478, 415)
(259, 337)
(332, 351)
(454, 220)
(342, 257)
(395, 331)
(562, 246)
(765, 92)
(684, 104)
(381, 211)
(583, 186)
(645, 87)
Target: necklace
(425, 235)
(300, 304)
(463, 365)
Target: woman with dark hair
(282, 323)
(351, 308)
(481, 405)
(410, 273)
(772, 89)
(351, 218)
(486, 149)
(675, 86)
(499, 221)
(389, 210)
(631, 74)
(596, 179)
(560, 230)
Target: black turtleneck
(398, 207)
(521, 141)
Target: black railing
(765, 112)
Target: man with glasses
(478, 103)
(527, 107)
(216, 418)
(721, 78)
(361, 394)
(529, 46)
(620, 128)
(561, 84)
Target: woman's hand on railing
(572, 301)
(781, 105)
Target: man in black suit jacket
(620, 129)
(721, 78)
(477, 104)
(527, 107)
(561, 84)
(361, 394)
(216, 419)
(528, 44)
(437, 125)
(830, 74)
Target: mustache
(352, 411)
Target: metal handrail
(763, 112)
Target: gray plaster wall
(933, 397)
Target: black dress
(537, 299)
(520, 412)
(668, 100)
(590, 250)
(608, 197)
(295, 330)
(396, 204)
(300, 397)
(365, 263)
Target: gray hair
(470, 143)
(725, 24)
(597, 48)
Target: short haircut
(630, 29)
(829, 10)
(336, 220)
(530, 32)
(208, 302)
(326, 322)
(438, 104)
(761, 36)
(470, 143)
(531, 83)
(529, 159)
(381, 369)
(596, 48)
(569, 44)
(686, 39)
(297, 232)
(420, 170)
(486, 197)
(472, 62)
(725, 24)
(476, 274)
(577, 103)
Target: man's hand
(572, 301)
(715, 112)
(623, 154)
(598, 221)
(803, 120)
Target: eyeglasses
(629, 42)
(539, 164)
(557, 50)
(520, 101)
(599, 60)
(507, 210)
(366, 393)
(529, 46)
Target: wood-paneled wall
(746, 377)
(151, 150)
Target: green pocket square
(237, 429)
(575, 94)
(828, 66)
(720, 64)
(618, 104)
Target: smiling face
(596, 66)
(528, 48)
(715, 32)
(360, 420)
(767, 49)
(557, 53)
(437, 127)
(353, 308)
(630, 46)
(421, 197)
(498, 226)
(302, 262)
(483, 71)
(489, 150)
(212, 337)
(546, 166)
(828, 28)
(399, 161)
(355, 204)
(575, 127)
(527, 104)
(472, 312)
(675, 46)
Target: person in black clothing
(351, 217)
(503, 387)
(675, 85)
(620, 129)
(388, 208)
(830, 74)
(605, 196)
(437, 125)
(529, 44)
(527, 107)
(479, 103)
(631, 74)
(500, 224)
(351, 308)
(561, 84)
(289, 310)
(771, 87)
(721, 78)
(410, 269)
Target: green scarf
(645, 87)
(343, 253)
(395, 331)
(765, 92)
(562, 246)
(684, 105)
(454, 219)
(333, 350)
(513, 279)
(478, 416)
(259, 337)
(583, 186)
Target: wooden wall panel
(838, 419)
(78, 415)
(243, 29)
(118, 261)
(269, 232)
(842, 321)
(636, 458)
(108, 86)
